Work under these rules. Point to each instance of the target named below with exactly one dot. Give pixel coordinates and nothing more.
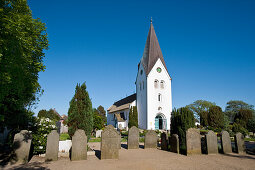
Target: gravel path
(147, 159)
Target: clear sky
(208, 47)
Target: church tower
(153, 87)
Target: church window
(159, 109)
(156, 83)
(122, 115)
(159, 70)
(159, 97)
(162, 84)
(141, 72)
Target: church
(153, 96)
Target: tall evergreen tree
(181, 120)
(133, 117)
(80, 113)
(216, 118)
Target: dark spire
(152, 51)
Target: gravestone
(110, 142)
(239, 143)
(133, 138)
(22, 145)
(174, 143)
(193, 141)
(226, 142)
(52, 146)
(151, 139)
(164, 145)
(211, 142)
(79, 145)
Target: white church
(153, 96)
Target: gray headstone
(193, 141)
(239, 143)
(52, 146)
(79, 145)
(164, 145)
(133, 138)
(226, 142)
(110, 142)
(22, 145)
(211, 142)
(174, 143)
(151, 139)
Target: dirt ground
(145, 159)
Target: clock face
(159, 70)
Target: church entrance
(160, 122)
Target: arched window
(159, 97)
(156, 83)
(162, 84)
(159, 109)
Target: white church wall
(141, 96)
(166, 101)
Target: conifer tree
(133, 117)
(80, 113)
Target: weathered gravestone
(52, 146)
(239, 143)
(174, 143)
(133, 138)
(164, 145)
(22, 145)
(79, 145)
(193, 141)
(151, 139)
(225, 142)
(110, 142)
(211, 142)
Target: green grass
(95, 140)
(249, 139)
(64, 136)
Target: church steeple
(152, 51)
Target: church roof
(122, 104)
(152, 51)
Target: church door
(156, 123)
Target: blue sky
(208, 47)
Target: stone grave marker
(151, 139)
(110, 142)
(193, 141)
(239, 143)
(22, 145)
(211, 142)
(79, 145)
(52, 146)
(226, 142)
(133, 138)
(174, 143)
(164, 144)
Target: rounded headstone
(150, 140)
(211, 142)
(226, 142)
(164, 144)
(52, 146)
(239, 143)
(193, 141)
(133, 138)
(174, 143)
(79, 145)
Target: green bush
(43, 127)
(64, 136)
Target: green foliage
(181, 120)
(102, 113)
(51, 114)
(251, 125)
(199, 107)
(215, 118)
(233, 107)
(239, 128)
(43, 127)
(22, 44)
(133, 117)
(80, 113)
(98, 122)
(204, 118)
(64, 136)
(242, 117)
